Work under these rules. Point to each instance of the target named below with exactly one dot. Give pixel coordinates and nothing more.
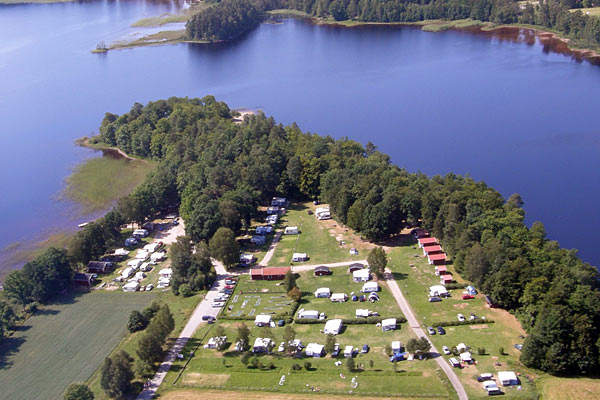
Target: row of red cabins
(435, 255)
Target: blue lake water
(504, 111)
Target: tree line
(222, 171)
(226, 20)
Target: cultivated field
(64, 343)
(504, 333)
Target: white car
(446, 350)
(281, 347)
(149, 287)
(460, 317)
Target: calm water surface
(509, 113)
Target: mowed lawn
(554, 388)
(65, 343)
(414, 281)
(315, 239)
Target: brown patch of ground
(198, 394)
(193, 378)
(461, 305)
(484, 326)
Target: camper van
(291, 230)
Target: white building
(396, 346)
(362, 313)
(308, 314)
(165, 273)
(322, 292)
(262, 345)
(127, 272)
(466, 357)
(135, 263)
(314, 350)
(333, 327)
(262, 320)
(322, 213)
(362, 275)
(131, 286)
(348, 351)
(338, 297)
(508, 378)
(158, 256)
(291, 230)
(388, 324)
(152, 247)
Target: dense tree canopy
(227, 20)
(222, 170)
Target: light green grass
(291, 13)
(414, 283)
(180, 306)
(171, 18)
(64, 343)
(314, 239)
(341, 282)
(555, 388)
(99, 182)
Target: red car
(467, 297)
(229, 287)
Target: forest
(219, 172)
(229, 19)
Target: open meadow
(64, 342)
(415, 281)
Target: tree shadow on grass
(8, 347)
(399, 276)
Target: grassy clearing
(341, 282)
(553, 388)
(189, 394)
(181, 307)
(171, 18)
(319, 239)
(65, 342)
(98, 182)
(439, 26)
(415, 282)
(592, 11)
(229, 373)
(257, 297)
(290, 13)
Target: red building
(322, 270)
(428, 241)
(432, 249)
(269, 274)
(437, 259)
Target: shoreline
(115, 151)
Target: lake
(502, 109)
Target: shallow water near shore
(504, 108)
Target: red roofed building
(428, 241)
(269, 274)
(446, 278)
(432, 249)
(441, 269)
(437, 259)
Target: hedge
(349, 321)
(451, 286)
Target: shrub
(296, 367)
(289, 320)
(307, 365)
(137, 321)
(467, 322)
(350, 364)
(185, 290)
(501, 351)
(481, 351)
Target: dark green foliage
(377, 260)
(7, 318)
(116, 375)
(243, 334)
(420, 345)
(289, 281)
(78, 391)
(307, 365)
(329, 344)
(224, 247)
(226, 20)
(350, 364)
(223, 171)
(150, 346)
(137, 321)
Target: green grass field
(316, 238)
(251, 298)
(554, 388)
(98, 182)
(341, 282)
(505, 332)
(64, 343)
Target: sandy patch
(198, 379)
(461, 305)
(483, 326)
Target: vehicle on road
(460, 317)
(430, 330)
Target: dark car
(280, 322)
(365, 348)
(211, 320)
(441, 330)
(431, 330)
(206, 317)
(434, 299)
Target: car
(281, 347)
(519, 347)
(322, 316)
(435, 299)
(142, 288)
(473, 316)
(211, 320)
(205, 317)
(336, 350)
(431, 330)
(485, 377)
(441, 330)
(280, 323)
(397, 357)
(467, 297)
(229, 287)
(149, 287)
(460, 317)
(217, 304)
(445, 350)
(365, 348)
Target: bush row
(467, 322)
(349, 321)
(451, 286)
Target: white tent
(322, 292)
(388, 324)
(461, 347)
(438, 290)
(131, 286)
(362, 313)
(339, 297)
(314, 350)
(299, 257)
(303, 314)
(262, 320)
(508, 378)
(466, 357)
(332, 327)
(369, 287)
(121, 252)
(157, 256)
(362, 275)
(135, 263)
